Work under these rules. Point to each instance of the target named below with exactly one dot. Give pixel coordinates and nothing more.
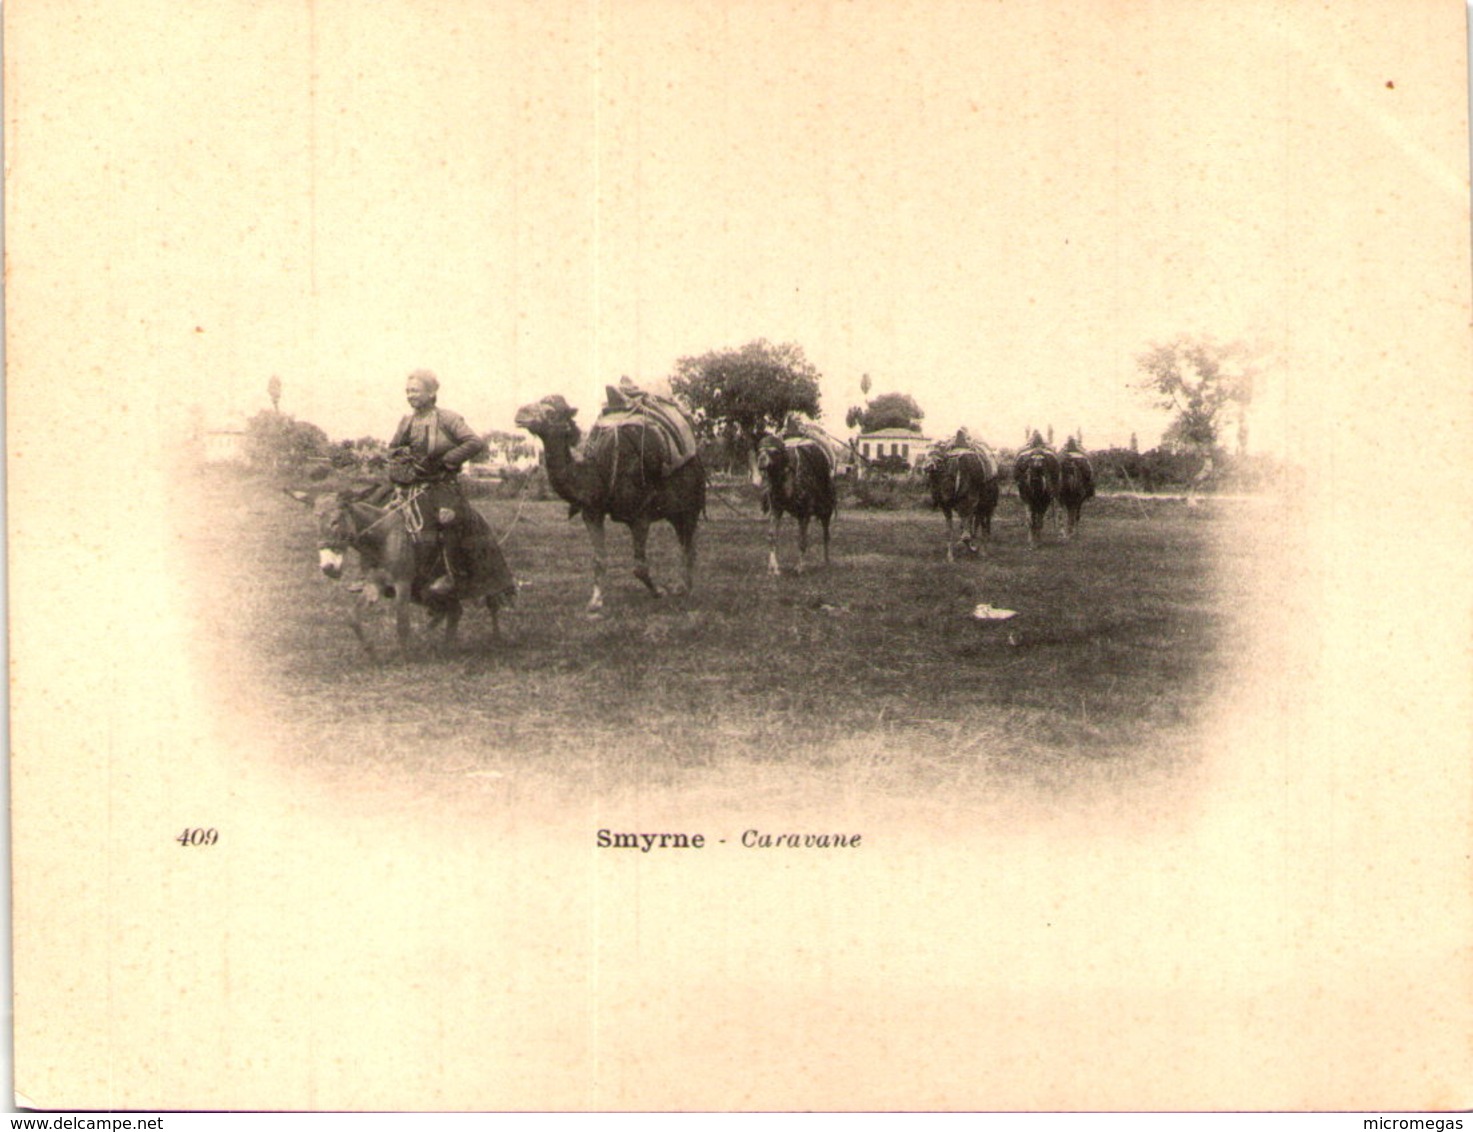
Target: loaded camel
(1076, 484)
(798, 480)
(1036, 471)
(963, 475)
(629, 471)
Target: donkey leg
(595, 527)
(401, 615)
(802, 544)
(950, 538)
(452, 623)
(772, 523)
(825, 520)
(356, 624)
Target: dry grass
(866, 678)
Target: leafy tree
(1206, 383)
(508, 447)
(279, 443)
(746, 392)
(273, 390)
(888, 410)
(728, 452)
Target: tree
(278, 443)
(888, 410)
(1206, 383)
(509, 447)
(273, 390)
(747, 392)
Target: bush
(513, 483)
(278, 443)
(890, 465)
(884, 492)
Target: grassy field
(869, 676)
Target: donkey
(392, 565)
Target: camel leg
(595, 526)
(772, 523)
(686, 533)
(639, 531)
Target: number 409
(198, 837)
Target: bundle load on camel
(1074, 461)
(630, 405)
(962, 442)
(798, 433)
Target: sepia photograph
(739, 555)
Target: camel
(963, 479)
(1076, 484)
(1036, 472)
(624, 474)
(798, 476)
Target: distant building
(903, 443)
(223, 442)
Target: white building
(904, 443)
(223, 441)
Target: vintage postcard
(688, 555)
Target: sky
(994, 207)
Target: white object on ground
(985, 612)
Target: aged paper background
(1289, 930)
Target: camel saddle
(634, 407)
(795, 443)
(961, 446)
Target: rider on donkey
(425, 457)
